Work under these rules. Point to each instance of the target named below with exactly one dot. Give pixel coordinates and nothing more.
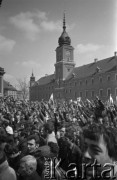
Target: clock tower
(64, 55)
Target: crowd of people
(57, 140)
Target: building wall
(10, 93)
(86, 88)
(89, 87)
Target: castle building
(98, 78)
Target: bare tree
(23, 86)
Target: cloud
(40, 15)
(55, 26)
(81, 48)
(25, 22)
(51, 25)
(6, 44)
(29, 64)
(8, 76)
(33, 23)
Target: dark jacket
(33, 176)
(72, 155)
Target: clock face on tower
(67, 54)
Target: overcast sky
(29, 32)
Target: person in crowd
(3, 139)
(62, 132)
(42, 141)
(49, 150)
(27, 168)
(32, 128)
(62, 143)
(6, 172)
(72, 153)
(100, 148)
(50, 133)
(33, 143)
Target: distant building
(69, 82)
(1, 81)
(9, 90)
(19, 95)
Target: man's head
(62, 131)
(100, 144)
(15, 134)
(49, 127)
(28, 165)
(69, 136)
(33, 143)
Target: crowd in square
(76, 136)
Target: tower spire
(64, 38)
(64, 22)
(32, 73)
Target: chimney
(95, 60)
(115, 53)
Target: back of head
(54, 148)
(35, 137)
(30, 163)
(49, 127)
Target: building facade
(98, 78)
(1, 81)
(9, 90)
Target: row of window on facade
(92, 93)
(92, 81)
(80, 82)
(47, 96)
(46, 88)
(85, 94)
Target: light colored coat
(6, 172)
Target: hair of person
(94, 132)
(3, 138)
(49, 126)
(69, 133)
(54, 148)
(35, 137)
(29, 161)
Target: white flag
(51, 100)
(111, 100)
